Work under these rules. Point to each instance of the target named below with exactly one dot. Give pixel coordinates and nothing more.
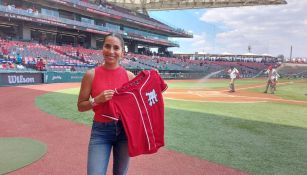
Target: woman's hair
(122, 43)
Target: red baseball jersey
(139, 104)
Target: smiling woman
(113, 51)
(97, 88)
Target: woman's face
(112, 51)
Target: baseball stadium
(213, 124)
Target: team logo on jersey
(152, 97)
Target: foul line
(213, 101)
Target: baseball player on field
(233, 74)
(272, 79)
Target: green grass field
(259, 138)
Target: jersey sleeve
(163, 85)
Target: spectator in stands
(18, 59)
(233, 74)
(40, 66)
(272, 79)
(72, 68)
(82, 58)
(97, 88)
(78, 53)
(5, 53)
(2, 66)
(23, 61)
(11, 65)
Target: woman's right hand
(104, 96)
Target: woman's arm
(85, 91)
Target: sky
(266, 29)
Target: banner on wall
(62, 77)
(11, 79)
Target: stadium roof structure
(151, 5)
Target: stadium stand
(65, 36)
(293, 70)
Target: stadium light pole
(291, 52)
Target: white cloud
(198, 43)
(267, 29)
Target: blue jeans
(104, 136)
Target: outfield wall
(35, 77)
(62, 77)
(13, 78)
